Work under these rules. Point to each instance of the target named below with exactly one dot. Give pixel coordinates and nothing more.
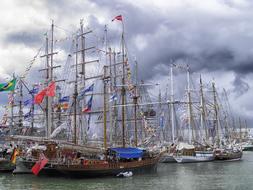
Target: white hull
(192, 159)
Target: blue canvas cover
(128, 152)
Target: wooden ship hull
(228, 155)
(95, 168)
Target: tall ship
(92, 122)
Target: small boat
(125, 174)
(196, 156)
(188, 154)
(228, 154)
(247, 147)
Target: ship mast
(172, 103)
(135, 101)
(49, 78)
(123, 90)
(75, 95)
(202, 109)
(216, 123)
(189, 106)
(105, 78)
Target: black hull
(79, 171)
(6, 166)
(107, 172)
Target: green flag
(10, 86)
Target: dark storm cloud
(240, 86)
(207, 41)
(28, 38)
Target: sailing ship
(87, 160)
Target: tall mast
(83, 71)
(75, 95)
(47, 82)
(135, 101)
(202, 109)
(172, 103)
(104, 110)
(115, 113)
(216, 123)
(189, 106)
(123, 90)
(50, 99)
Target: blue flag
(64, 99)
(89, 105)
(28, 115)
(28, 102)
(35, 90)
(84, 91)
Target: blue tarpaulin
(128, 152)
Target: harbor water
(190, 176)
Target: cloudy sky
(215, 37)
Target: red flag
(40, 96)
(51, 89)
(119, 17)
(39, 164)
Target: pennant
(84, 91)
(119, 17)
(40, 164)
(10, 86)
(28, 102)
(38, 99)
(14, 155)
(89, 104)
(113, 98)
(64, 99)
